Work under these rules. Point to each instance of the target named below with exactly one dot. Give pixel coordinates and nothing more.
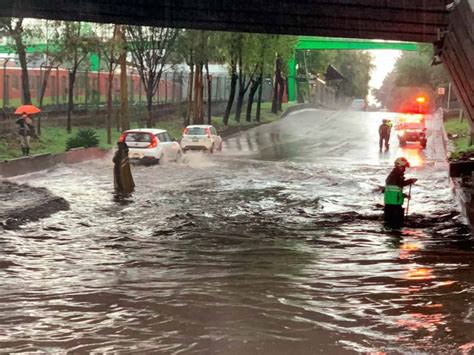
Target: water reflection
(414, 155)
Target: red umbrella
(28, 109)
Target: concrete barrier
(39, 162)
(465, 198)
(298, 107)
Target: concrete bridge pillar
(456, 50)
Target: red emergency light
(421, 99)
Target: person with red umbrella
(26, 129)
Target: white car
(150, 145)
(201, 137)
(359, 105)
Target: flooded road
(274, 246)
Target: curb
(40, 162)
(299, 107)
(465, 201)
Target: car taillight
(122, 137)
(154, 141)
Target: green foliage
(354, 65)
(317, 61)
(412, 70)
(256, 49)
(84, 138)
(415, 69)
(458, 130)
(75, 43)
(197, 46)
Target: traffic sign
(441, 91)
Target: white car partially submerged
(201, 137)
(150, 145)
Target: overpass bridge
(309, 43)
(448, 24)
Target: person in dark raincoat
(123, 179)
(384, 134)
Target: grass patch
(458, 131)
(52, 140)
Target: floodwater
(273, 246)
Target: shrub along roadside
(53, 139)
(84, 138)
(458, 131)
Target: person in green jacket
(393, 193)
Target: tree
(248, 64)
(112, 48)
(230, 44)
(50, 34)
(186, 52)
(278, 86)
(76, 45)
(284, 47)
(264, 53)
(412, 75)
(151, 48)
(354, 65)
(14, 28)
(269, 45)
(317, 61)
(414, 69)
(124, 122)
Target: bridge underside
(431, 21)
(414, 20)
(456, 50)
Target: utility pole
(123, 82)
(449, 96)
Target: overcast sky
(384, 60)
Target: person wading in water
(394, 213)
(123, 179)
(384, 134)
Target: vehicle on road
(201, 137)
(358, 105)
(411, 128)
(150, 146)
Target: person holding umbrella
(26, 129)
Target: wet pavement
(274, 246)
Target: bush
(85, 138)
